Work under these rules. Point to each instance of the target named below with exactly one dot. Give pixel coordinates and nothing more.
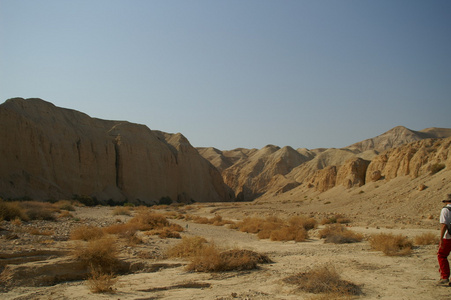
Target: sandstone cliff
(273, 170)
(51, 152)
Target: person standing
(444, 246)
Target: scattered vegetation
(216, 220)
(145, 220)
(323, 279)
(339, 234)
(27, 210)
(391, 245)
(64, 205)
(11, 210)
(187, 247)
(277, 229)
(426, 239)
(338, 218)
(86, 233)
(100, 255)
(36, 231)
(122, 210)
(207, 257)
(99, 282)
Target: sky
(236, 73)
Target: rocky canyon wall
(50, 152)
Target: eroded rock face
(325, 179)
(50, 152)
(414, 159)
(352, 173)
(251, 176)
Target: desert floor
(378, 275)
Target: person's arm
(443, 229)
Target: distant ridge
(253, 173)
(398, 136)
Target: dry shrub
(121, 210)
(216, 220)
(188, 247)
(262, 227)
(289, 233)
(339, 234)
(12, 210)
(99, 282)
(36, 231)
(306, 223)
(65, 214)
(126, 231)
(278, 230)
(100, 255)
(164, 233)
(147, 220)
(391, 245)
(39, 210)
(323, 279)
(426, 239)
(86, 233)
(210, 259)
(338, 218)
(64, 205)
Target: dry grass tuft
(148, 220)
(289, 233)
(65, 214)
(391, 245)
(337, 218)
(339, 234)
(39, 210)
(208, 258)
(122, 211)
(216, 220)
(10, 211)
(427, 239)
(188, 247)
(64, 205)
(99, 254)
(36, 231)
(86, 233)
(295, 229)
(323, 279)
(99, 282)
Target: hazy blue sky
(236, 73)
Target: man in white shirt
(444, 247)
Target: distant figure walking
(444, 247)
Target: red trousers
(442, 256)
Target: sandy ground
(379, 276)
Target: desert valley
(99, 209)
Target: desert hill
(398, 136)
(273, 170)
(50, 152)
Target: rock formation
(50, 152)
(274, 170)
(414, 159)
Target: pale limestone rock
(50, 152)
(352, 173)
